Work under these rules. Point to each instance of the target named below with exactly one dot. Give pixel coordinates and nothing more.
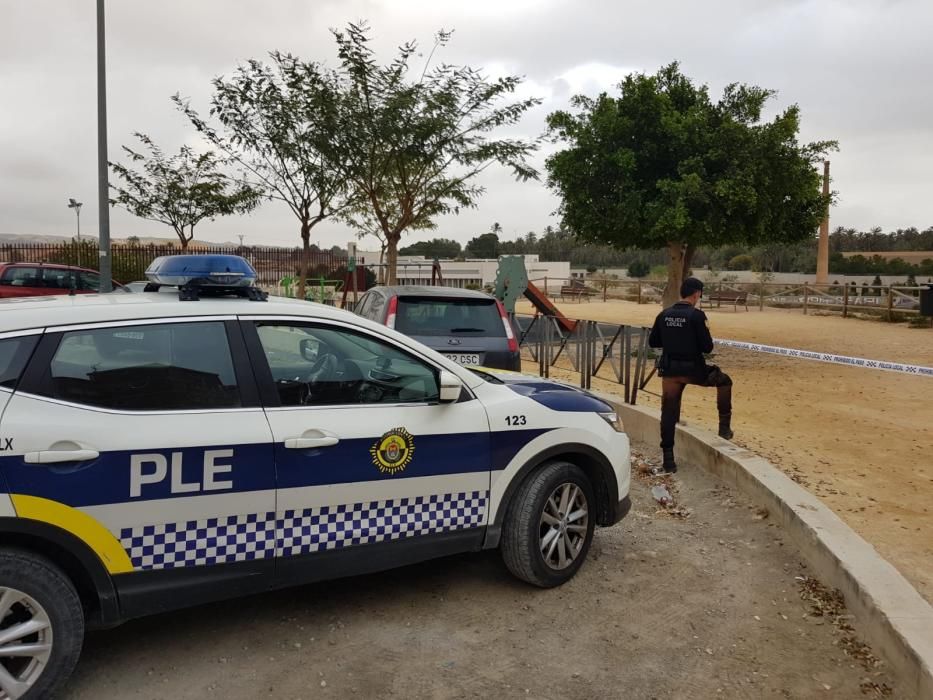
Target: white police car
(157, 453)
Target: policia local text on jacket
(682, 331)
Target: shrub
(740, 262)
(638, 268)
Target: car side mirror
(308, 349)
(451, 386)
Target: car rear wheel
(549, 525)
(41, 626)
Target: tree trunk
(391, 258)
(689, 252)
(675, 272)
(305, 254)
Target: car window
(162, 367)
(88, 282)
(376, 310)
(55, 278)
(14, 352)
(433, 316)
(325, 366)
(21, 277)
(363, 305)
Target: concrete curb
(892, 615)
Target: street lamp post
(76, 205)
(103, 182)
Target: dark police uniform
(683, 332)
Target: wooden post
(639, 291)
(761, 296)
(890, 304)
(845, 300)
(806, 295)
(605, 285)
(719, 301)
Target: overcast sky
(860, 71)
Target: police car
(169, 448)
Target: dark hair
(690, 286)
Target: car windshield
(437, 316)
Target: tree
(484, 246)
(280, 123)
(181, 190)
(662, 166)
(440, 248)
(740, 262)
(416, 144)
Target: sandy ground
(707, 606)
(862, 440)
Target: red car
(40, 279)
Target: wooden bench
(575, 292)
(730, 297)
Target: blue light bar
(217, 271)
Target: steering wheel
(324, 367)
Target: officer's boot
(670, 466)
(725, 426)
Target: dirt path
(862, 440)
(704, 607)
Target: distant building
(474, 273)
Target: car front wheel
(41, 626)
(549, 525)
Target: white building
(474, 273)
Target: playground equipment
(323, 286)
(512, 282)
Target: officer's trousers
(672, 390)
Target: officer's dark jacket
(682, 332)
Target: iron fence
(130, 261)
(605, 351)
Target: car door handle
(56, 456)
(302, 443)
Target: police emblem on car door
(364, 451)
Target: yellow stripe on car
(79, 524)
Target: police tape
(830, 358)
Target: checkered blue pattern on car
(258, 536)
(201, 542)
(334, 527)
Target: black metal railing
(607, 352)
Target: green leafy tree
(280, 123)
(417, 139)
(440, 248)
(663, 166)
(483, 246)
(180, 190)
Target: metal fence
(593, 350)
(130, 261)
(889, 302)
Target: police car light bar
(204, 274)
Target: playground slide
(544, 305)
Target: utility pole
(822, 252)
(103, 181)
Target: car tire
(33, 589)
(532, 540)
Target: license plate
(463, 358)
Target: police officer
(683, 332)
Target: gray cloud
(857, 68)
